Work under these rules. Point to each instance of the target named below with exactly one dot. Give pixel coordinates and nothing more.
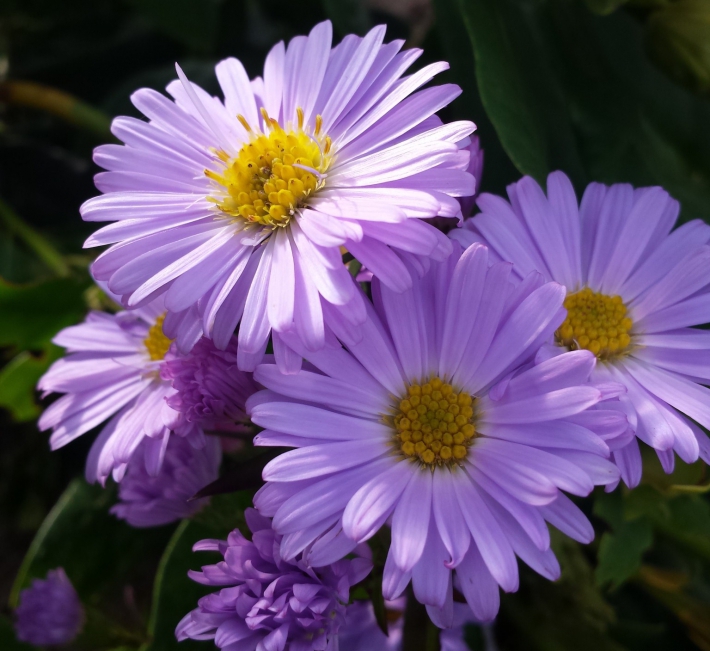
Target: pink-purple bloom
(123, 369)
(211, 391)
(112, 373)
(616, 252)
(147, 500)
(437, 417)
(50, 612)
(236, 209)
(267, 602)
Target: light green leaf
(621, 552)
(18, 380)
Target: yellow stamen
(319, 125)
(156, 343)
(244, 123)
(434, 423)
(272, 175)
(596, 322)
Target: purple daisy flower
(123, 368)
(237, 209)
(635, 289)
(268, 602)
(112, 371)
(437, 416)
(50, 612)
(147, 500)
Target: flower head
(50, 612)
(266, 600)
(237, 209)
(112, 372)
(124, 369)
(437, 416)
(147, 500)
(635, 289)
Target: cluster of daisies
(286, 282)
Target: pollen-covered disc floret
(156, 343)
(273, 174)
(596, 322)
(434, 423)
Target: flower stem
(57, 102)
(419, 633)
(38, 243)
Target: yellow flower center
(274, 173)
(596, 322)
(156, 343)
(434, 423)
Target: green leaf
(570, 613)
(621, 552)
(499, 170)
(631, 124)
(98, 552)
(174, 593)
(18, 380)
(518, 93)
(30, 315)
(621, 549)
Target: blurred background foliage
(607, 90)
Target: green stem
(41, 246)
(419, 633)
(57, 102)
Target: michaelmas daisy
(123, 369)
(112, 373)
(436, 415)
(237, 209)
(635, 288)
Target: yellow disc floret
(434, 423)
(156, 343)
(595, 322)
(273, 174)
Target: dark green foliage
(552, 84)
